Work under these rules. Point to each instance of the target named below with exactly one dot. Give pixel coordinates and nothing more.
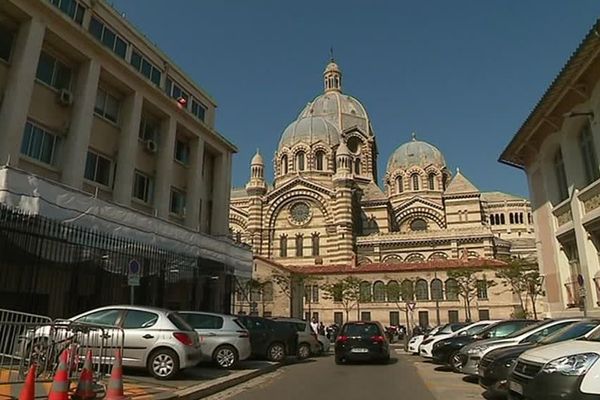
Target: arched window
(438, 255)
(422, 290)
(431, 181)
(492, 220)
(283, 246)
(520, 218)
(511, 219)
(267, 291)
(300, 160)
(407, 291)
(415, 181)
(357, 166)
(393, 291)
(365, 291)
(399, 185)
(437, 290)
(502, 219)
(451, 289)
(379, 292)
(415, 258)
(444, 181)
(284, 165)
(588, 155)
(319, 158)
(315, 244)
(560, 175)
(418, 224)
(299, 245)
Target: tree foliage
(524, 281)
(345, 291)
(468, 283)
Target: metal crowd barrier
(27, 339)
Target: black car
(362, 341)
(495, 366)
(270, 339)
(447, 351)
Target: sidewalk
(193, 383)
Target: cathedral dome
(341, 110)
(416, 153)
(309, 131)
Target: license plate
(515, 387)
(359, 350)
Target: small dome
(309, 131)
(257, 159)
(332, 67)
(343, 150)
(417, 153)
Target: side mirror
(463, 333)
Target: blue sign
(134, 267)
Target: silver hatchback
(224, 339)
(308, 342)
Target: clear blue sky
(463, 74)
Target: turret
(257, 186)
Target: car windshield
(474, 330)
(361, 330)
(570, 332)
(444, 329)
(595, 336)
(525, 329)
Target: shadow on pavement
(443, 368)
(392, 361)
(470, 379)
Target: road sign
(411, 305)
(133, 278)
(580, 280)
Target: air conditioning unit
(65, 97)
(151, 146)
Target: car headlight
(477, 349)
(574, 365)
(510, 363)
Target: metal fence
(60, 269)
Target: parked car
(153, 338)
(415, 341)
(566, 371)
(445, 331)
(270, 339)
(308, 343)
(447, 351)
(362, 341)
(224, 339)
(495, 366)
(472, 353)
(426, 348)
(324, 343)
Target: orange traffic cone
(60, 384)
(85, 388)
(115, 384)
(28, 392)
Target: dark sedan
(495, 366)
(270, 339)
(447, 351)
(362, 341)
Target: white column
(19, 87)
(195, 185)
(164, 167)
(221, 194)
(78, 139)
(128, 142)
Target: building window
(39, 144)
(267, 291)
(175, 91)
(399, 185)
(424, 319)
(299, 245)
(315, 244)
(177, 204)
(484, 315)
(315, 293)
(415, 181)
(393, 291)
(300, 161)
(182, 151)
(145, 67)
(72, 8)
(437, 290)
(529, 218)
(502, 219)
(394, 318)
(338, 294)
(108, 37)
(492, 221)
(319, 158)
(6, 41)
(53, 72)
(451, 289)
(407, 290)
(311, 293)
(511, 218)
(283, 246)
(365, 315)
(97, 168)
(142, 187)
(422, 290)
(198, 109)
(148, 129)
(482, 289)
(431, 181)
(379, 292)
(418, 224)
(444, 181)
(357, 166)
(588, 155)
(284, 165)
(107, 105)
(452, 316)
(365, 292)
(560, 175)
(338, 318)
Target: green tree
(345, 291)
(523, 279)
(251, 290)
(468, 285)
(400, 295)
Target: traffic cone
(60, 384)
(115, 384)
(28, 391)
(85, 388)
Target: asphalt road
(321, 378)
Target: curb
(193, 393)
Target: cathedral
(325, 214)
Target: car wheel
(303, 351)
(226, 357)
(276, 352)
(456, 361)
(163, 364)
